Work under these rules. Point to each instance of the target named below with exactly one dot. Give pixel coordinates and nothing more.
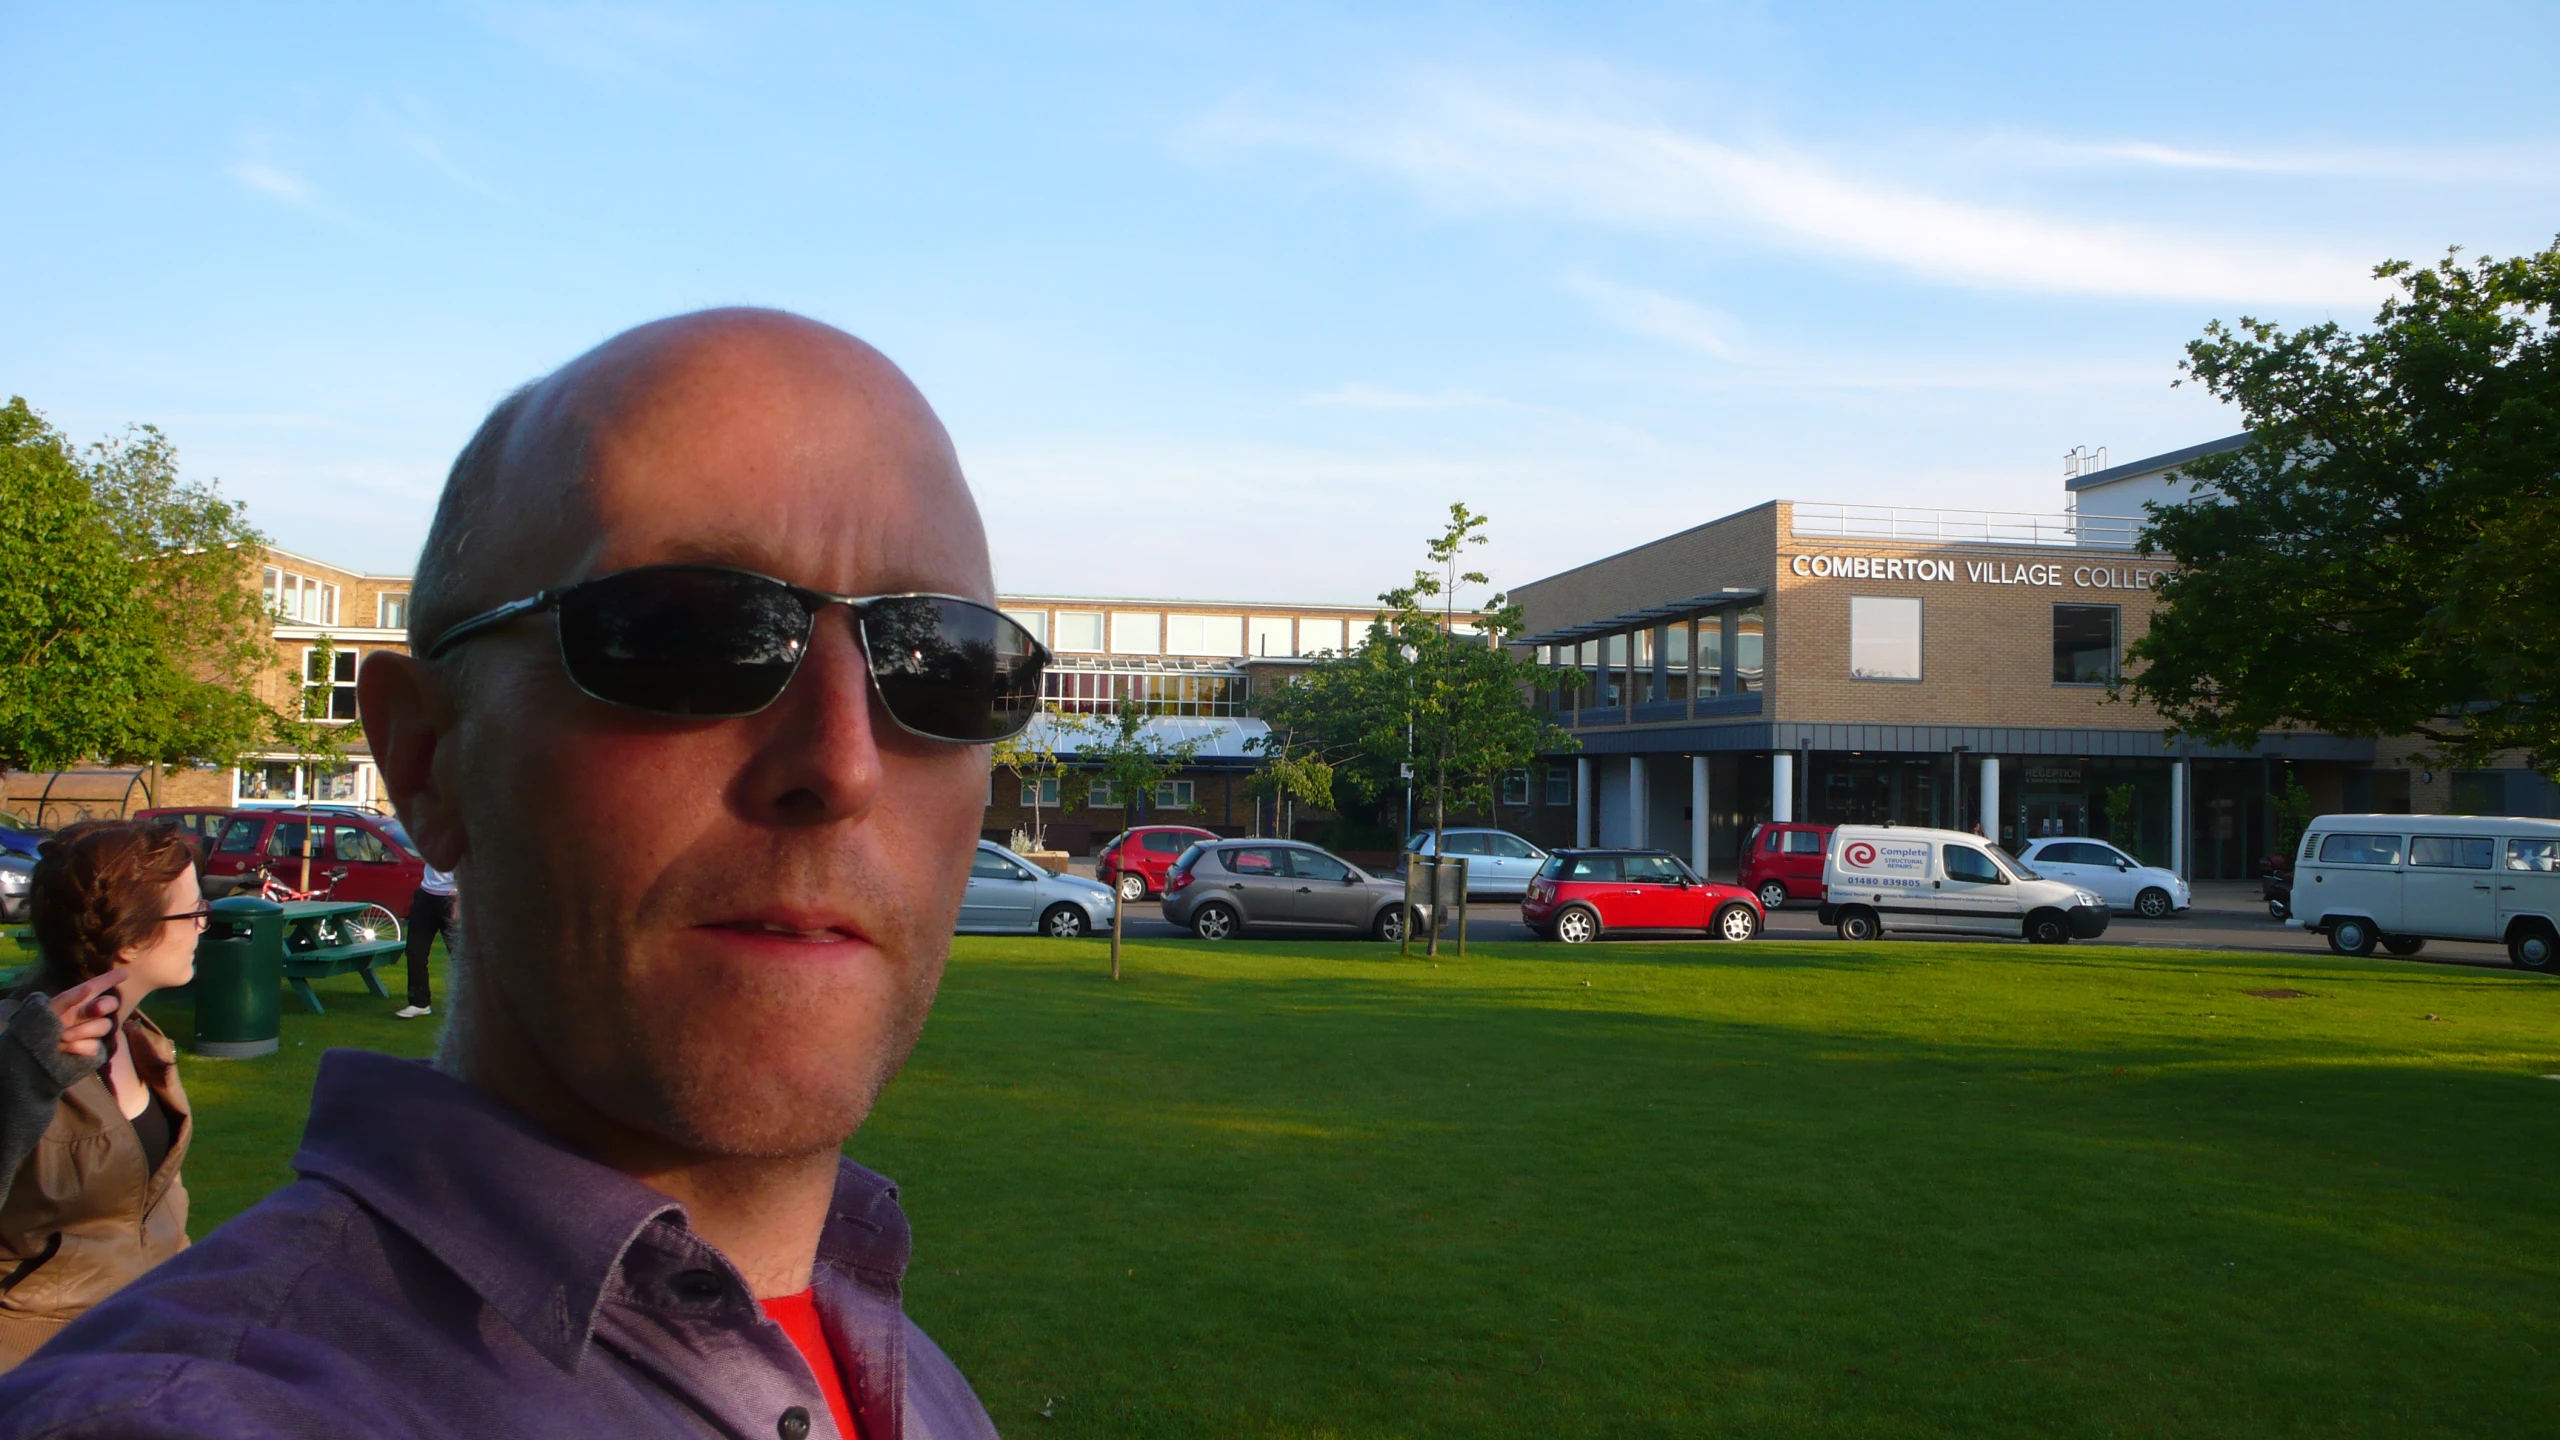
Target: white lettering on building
(1978, 572)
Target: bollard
(239, 972)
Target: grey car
(1498, 862)
(1009, 895)
(1218, 891)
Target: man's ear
(408, 716)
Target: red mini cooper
(1579, 895)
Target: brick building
(1842, 663)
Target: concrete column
(1698, 853)
(1639, 823)
(1991, 798)
(1782, 784)
(2178, 819)
(1582, 802)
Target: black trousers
(429, 916)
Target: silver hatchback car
(1219, 890)
(1009, 893)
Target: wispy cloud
(406, 128)
(2503, 165)
(1466, 146)
(1651, 313)
(273, 180)
(597, 36)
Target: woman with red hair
(93, 1124)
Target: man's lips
(791, 929)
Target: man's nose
(817, 754)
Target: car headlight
(13, 882)
(2085, 898)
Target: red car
(1579, 895)
(380, 863)
(1135, 862)
(1783, 861)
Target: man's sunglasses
(705, 640)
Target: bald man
(712, 802)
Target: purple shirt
(444, 1268)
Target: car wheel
(1577, 926)
(1857, 923)
(1133, 887)
(1389, 926)
(2352, 937)
(1773, 895)
(2404, 944)
(2531, 947)
(1065, 922)
(2153, 904)
(2278, 910)
(1215, 922)
(1736, 922)
(2047, 927)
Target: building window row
(1151, 632)
(299, 598)
(1885, 640)
(1167, 692)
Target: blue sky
(1232, 302)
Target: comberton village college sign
(1978, 572)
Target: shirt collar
(534, 1228)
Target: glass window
(329, 689)
(1553, 868)
(1508, 847)
(390, 826)
(1595, 867)
(1884, 637)
(1173, 794)
(239, 837)
(2360, 850)
(1966, 863)
(1316, 865)
(1040, 792)
(1035, 621)
(1099, 794)
(1804, 842)
(1165, 842)
(1559, 785)
(1750, 643)
(285, 838)
(1515, 787)
(1315, 636)
(1653, 870)
(1137, 632)
(1461, 842)
(1253, 860)
(991, 866)
(392, 611)
(1079, 631)
(2084, 644)
(361, 845)
(2542, 855)
(2454, 852)
(1270, 635)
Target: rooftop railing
(1963, 527)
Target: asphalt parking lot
(2227, 915)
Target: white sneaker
(412, 1012)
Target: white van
(1884, 877)
(2402, 880)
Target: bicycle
(373, 922)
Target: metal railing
(1964, 527)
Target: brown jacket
(81, 1215)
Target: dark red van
(1783, 862)
(381, 865)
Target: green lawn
(1773, 1189)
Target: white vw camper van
(1884, 877)
(2400, 881)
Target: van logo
(1860, 854)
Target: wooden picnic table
(318, 944)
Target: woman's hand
(88, 1013)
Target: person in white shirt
(430, 915)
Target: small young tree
(1038, 759)
(1290, 774)
(1132, 760)
(2123, 826)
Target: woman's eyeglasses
(709, 641)
(198, 916)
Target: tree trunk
(1119, 908)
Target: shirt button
(794, 1424)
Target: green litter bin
(239, 976)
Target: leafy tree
(1035, 758)
(1132, 760)
(69, 610)
(2378, 561)
(1455, 706)
(2122, 826)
